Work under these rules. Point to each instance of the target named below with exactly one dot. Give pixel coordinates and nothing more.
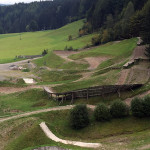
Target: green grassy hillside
(123, 48)
(33, 43)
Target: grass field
(95, 130)
(57, 76)
(109, 78)
(127, 133)
(53, 61)
(121, 49)
(25, 101)
(26, 134)
(116, 51)
(33, 43)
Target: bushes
(137, 107)
(141, 107)
(96, 40)
(69, 48)
(79, 117)
(45, 52)
(119, 109)
(102, 113)
(146, 106)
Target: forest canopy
(112, 19)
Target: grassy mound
(53, 61)
(25, 101)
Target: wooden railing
(90, 92)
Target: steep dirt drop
(123, 76)
(94, 62)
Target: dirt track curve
(41, 111)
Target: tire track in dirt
(68, 107)
(123, 76)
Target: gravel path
(51, 136)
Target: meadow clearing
(33, 43)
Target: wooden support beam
(119, 93)
(87, 94)
(72, 98)
(65, 97)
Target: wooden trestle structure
(90, 92)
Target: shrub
(147, 53)
(26, 70)
(79, 117)
(70, 48)
(119, 109)
(96, 40)
(102, 113)
(69, 37)
(146, 105)
(66, 48)
(45, 52)
(137, 107)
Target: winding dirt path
(41, 111)
(51, 136)
(64, 54)
(10, 90)
(93, 62)
(128, 100)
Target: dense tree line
(41, 15)
(117, 19)
(113, 19)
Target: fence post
(87, 94)
(72, 98)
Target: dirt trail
(85, 75)
(9, 90)
(51, 136)
(94, 62)
(146, 147)
(123, 76)
(65, 54)
(128, 100)
(41, 111)
(139, 52)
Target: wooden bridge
(90, 92)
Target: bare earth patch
(9, 90)
(145, 147)
(94, 62)
(128, 100)
(65, 54)
(139, 52)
